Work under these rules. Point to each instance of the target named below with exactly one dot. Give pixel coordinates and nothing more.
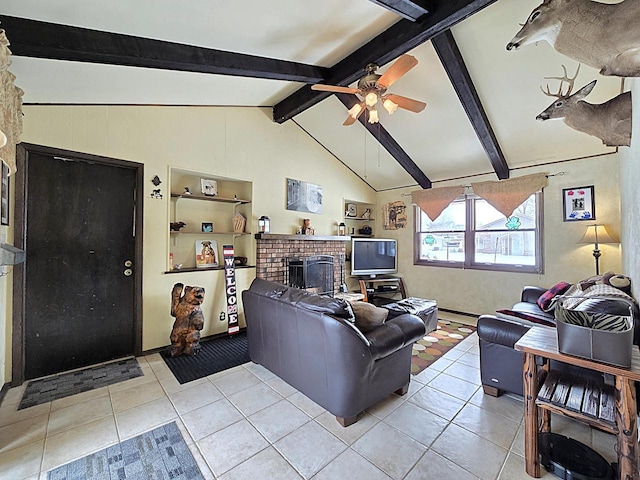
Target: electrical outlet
(223, 316)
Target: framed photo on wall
(4, 195)
(304, 196)
(578, 203)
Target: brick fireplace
(273, 250)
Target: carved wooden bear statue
(185, 336)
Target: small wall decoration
(394, 215)
(156, 192)
(209, 187)
(304, 196)
(4, 195)
(578, 203)
(231, 289)
(206, 253)
(352, 210)
(207, 227)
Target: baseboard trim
(203, 339)
(466, 314)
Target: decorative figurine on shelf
(306, 227)
(239, 222)
(176, 226)
(186, 191)
(185, 307)
(367, 214)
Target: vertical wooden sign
(230, 289)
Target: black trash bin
(572, 460)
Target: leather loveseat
(500, 363)
(311, 342)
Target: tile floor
(245, 423)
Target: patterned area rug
(66, 384)
(435, 344)
(216, 355)
(160, 454)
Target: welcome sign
(230, 289)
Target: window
(470, 233)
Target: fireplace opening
(313, 273)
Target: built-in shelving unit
(353, 217)
(197, 210)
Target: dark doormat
(216, 355)
(159, 454)
(65, 384)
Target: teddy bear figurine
(185, 335)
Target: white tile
(267, 464)
(23, 461)
(472, 452)
(464, 372)
(434, 466)
(454, 386)
(437, 402)
(24, 432)
(504, 405)
(280, 386)
(352, 466)
(171, 384)
(79, 442)
(237, 381)
(418, 423)
(514, 469)
(259, 371)
(145, 417)
(78, 414)
(255, 398)
(351, 433)
(305, 404)
(9, 413)
(494, 428)
(195, 397)
(309, 448)
(135, 396)
(385, 407)
(212, 417)
(278, 420)
(231, 446)
(390, 450)
(79, 398)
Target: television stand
(381, 290)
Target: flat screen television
(373, 256)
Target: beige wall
(241, 143)
(630, 195)
(481, 291)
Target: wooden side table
(542, 342)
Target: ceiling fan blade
(350, 120)
(398, 69)
(333, 88)
(407, 103)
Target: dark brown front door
(79, 280)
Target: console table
(542, 342)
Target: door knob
(128, 272)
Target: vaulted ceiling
(481, 100)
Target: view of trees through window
(472, 233)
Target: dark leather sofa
(500, 363)
(310, 342)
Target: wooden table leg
(531, 456)
(626, 420)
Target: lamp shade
(597, 234)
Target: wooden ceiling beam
(389, 45)
(453, 63)
(33, 38)
(388, 142)
(411, 10)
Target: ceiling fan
(373, 87)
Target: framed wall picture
(209, 187)
(352, 210)
(4, 195)
(206, 253)
(207, 227)
(578, 203)
(304, 196)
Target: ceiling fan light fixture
(373, 116)
(389, 106)
(371, 98)
(354, 111)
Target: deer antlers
(565, 78)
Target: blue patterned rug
(65, 384)
(160, 454)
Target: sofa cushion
(368, 316)
(317, 303)
(526, 316)
(266, 288)
(547, 299)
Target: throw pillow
(618, 281)
(546, 300)
(368, 316)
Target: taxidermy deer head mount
(609, 121)
(603, 36)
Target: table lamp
(597, 234)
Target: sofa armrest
(395, 334)
(531, 294)
(500, 331)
